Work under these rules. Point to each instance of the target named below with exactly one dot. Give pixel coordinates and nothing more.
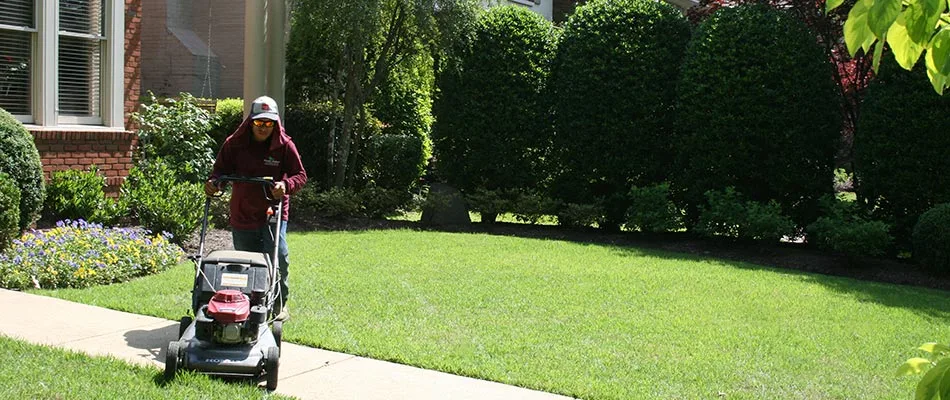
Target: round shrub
(161, 203)
(652, 211)
(21, 161)
(496, 138)
(901, 166)
(9, 210)
(74, 194)
(932, 239)
(758, 110)
(613, 95)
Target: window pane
(81, 16)
(17, 13)
(15, 72)
(79, 72)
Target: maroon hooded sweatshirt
(276, 157)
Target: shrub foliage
(9, 210)
(757, 111)
(612, 91)
(161, 203)
(843, 229)
(314, 126)
(728, 215)
(651, 209)
(177, 130)
(21, 161)
(932, 237)
(901, 163)
(491, 125)
(75, 195)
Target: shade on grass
(39, 372)
(586, 320)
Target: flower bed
(81, 254)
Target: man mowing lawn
(255, 150)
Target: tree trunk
(352, 100)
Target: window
(17, 31)
(81, 44)
(62, 61)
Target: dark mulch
(788, 256)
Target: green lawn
(39, 372)
(586, 320)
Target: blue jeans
(260, 241)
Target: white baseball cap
(264, 107)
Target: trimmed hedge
(21, 161)
(613, 97)
(901, 167)
(491, 126)
(758, 110)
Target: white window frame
(26, 119)
(45, 84)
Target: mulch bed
(788, 256)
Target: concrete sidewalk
(305, 372)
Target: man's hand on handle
(278, 190)
(211, 188)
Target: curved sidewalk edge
(306, 373)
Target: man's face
(262, 129)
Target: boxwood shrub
(931, 239)
(21, 161)
(758, 110)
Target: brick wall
(111, 152)
(133, 57)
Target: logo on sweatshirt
(271, 162)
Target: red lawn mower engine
(230, 318)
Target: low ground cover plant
(80, 254)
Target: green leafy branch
(935, 384)
(909, 27)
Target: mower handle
(267, 182)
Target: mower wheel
(278, 330)
(271, 362)
(171, 360)
(185, 321)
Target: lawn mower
(235, 299)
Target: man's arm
(295, 177)
(223, 165)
